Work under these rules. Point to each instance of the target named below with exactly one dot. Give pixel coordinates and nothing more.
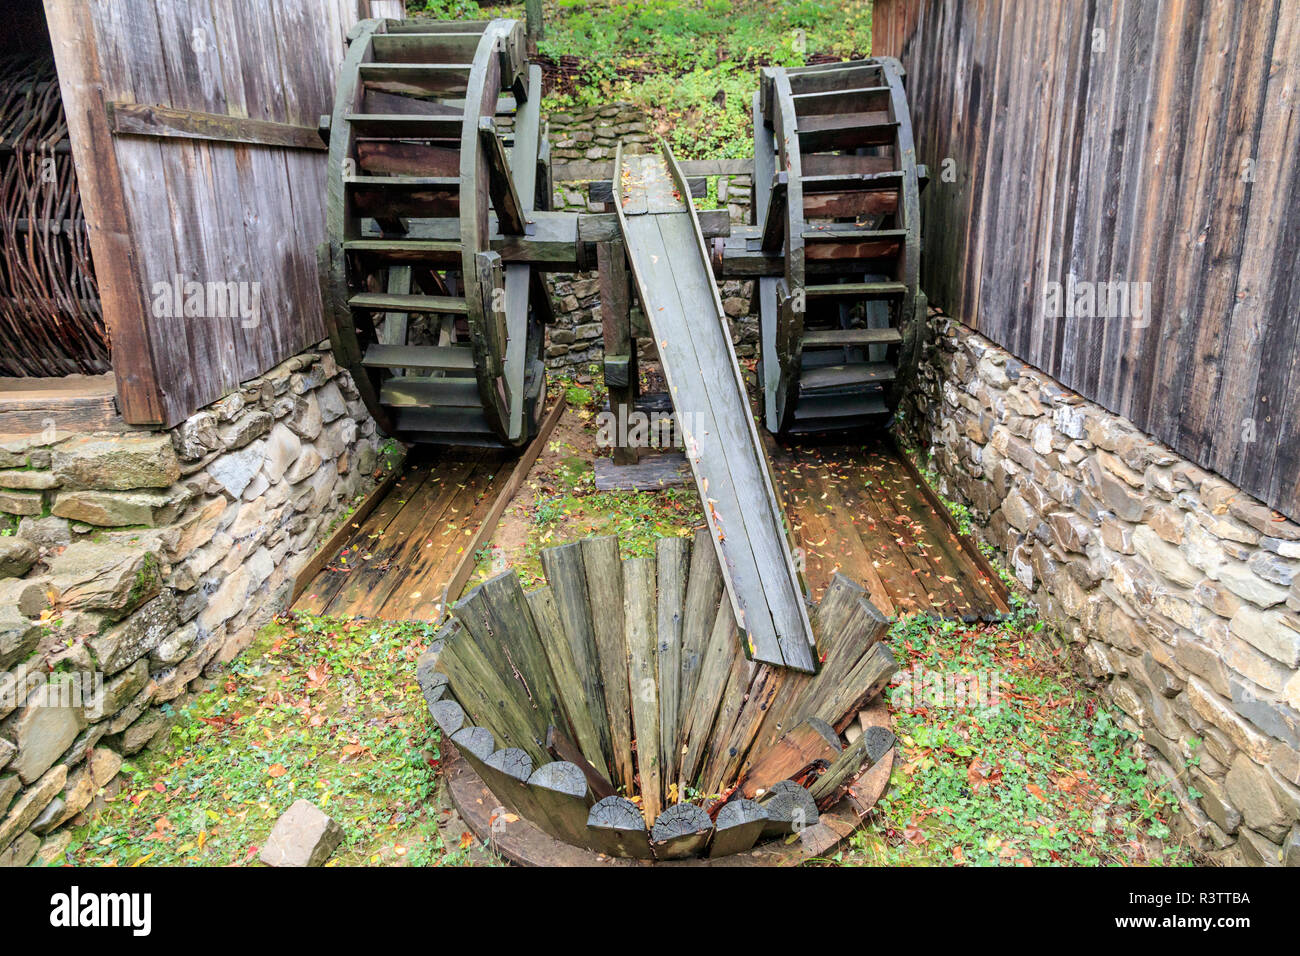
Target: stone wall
(1179, 592)
(133, 564)
(575, 341)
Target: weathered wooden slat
(493, 702)
(841, 376)
(810, 743)
(429, 358)
(603, 588)
(715, 667)
(712, 772)
(790, 809)
(419, 391)
(640, 628)
(420, 79)
(738, 826)
(567, 576)
(699, 611)
(864, 752)
(426, 47)
(672, 559)
(681, 831)
(585, 719)
(616, 828)
(560, 790)
(389, 302)
(764, 685)
(864, 681)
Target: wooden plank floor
(398, 561)
(857, 509)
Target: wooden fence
(193, 128)
(1126, 142)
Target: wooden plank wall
(206, 211)
(1131, 140)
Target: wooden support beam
(135, 119)
(774, 222)
(512, 217)
(616, 327)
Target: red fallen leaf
(160, 786)
(276, 770)
(466, 840)
(1036, 791)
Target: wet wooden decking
(401, 557)
(859, 510)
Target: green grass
(1043, 776)
(321, 709)
(691, 64)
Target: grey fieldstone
(117, 463)
(1247, 785)
(21, 502)
(18, 636)
(252, 424)
(235, 470)
(21, 851)
(1276, 633)
(121, 509)
(303, 836)
(127, 642)
(42, 731)
(29, 806)
(109, 576)
(29, 480)
(282, 449)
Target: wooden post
(535, 30)
(620, 346)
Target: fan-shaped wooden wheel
(616, 711)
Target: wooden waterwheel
(435, 147)
(837, 194)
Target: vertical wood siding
(1132, 140)
(212, 211)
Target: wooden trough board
(654, 702)
(674, 279)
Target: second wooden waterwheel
(837, 194)
(435, 146)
